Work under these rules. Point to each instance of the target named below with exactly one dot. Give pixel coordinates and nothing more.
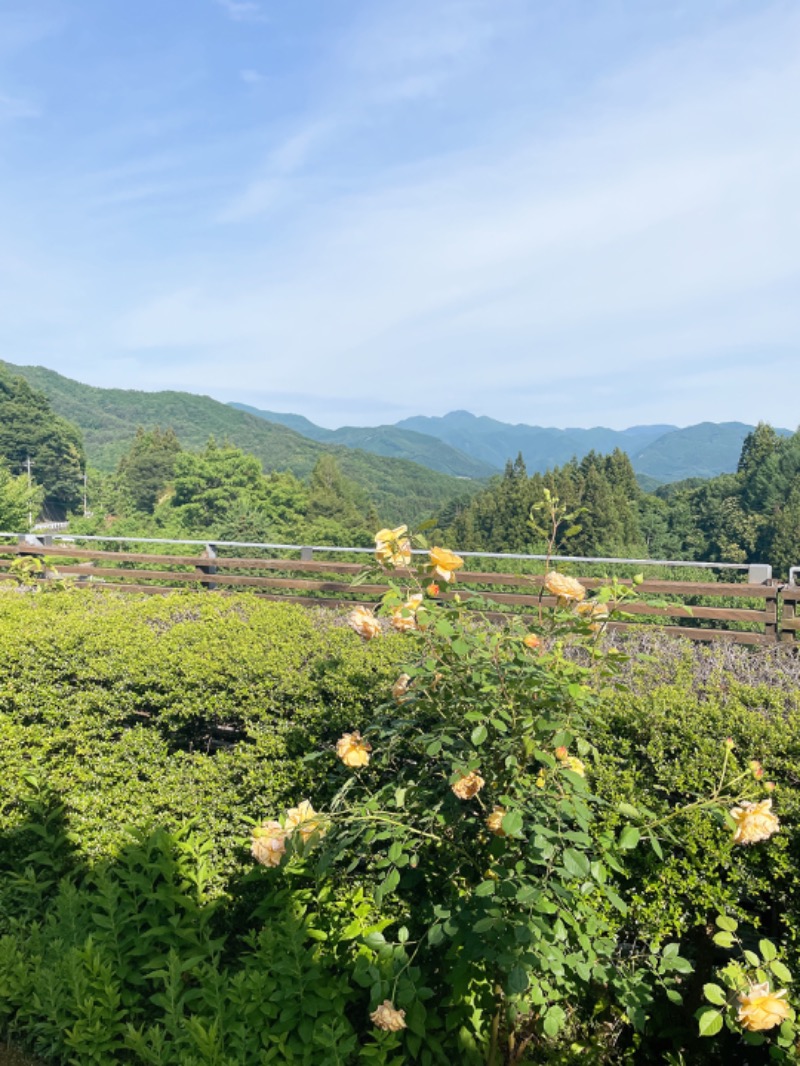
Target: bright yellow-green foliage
(156, 709)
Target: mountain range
(659, 453)
(400, 490)
(421, 459)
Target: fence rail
(748, 612)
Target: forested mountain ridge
(541, 447)
(705, 450)
(385, 440)
(109, 418)
(659, 453)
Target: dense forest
(752, 515)
(162, 487)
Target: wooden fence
(743, 612)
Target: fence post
(788, 614)
(306, 555)
(209, 553)
(771, 630)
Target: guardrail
(749, 612)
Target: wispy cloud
(277, 181)
(244, 10)
(406, 54)
(541, 212)
(657, 224)
(14, 107)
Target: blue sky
(572, 214)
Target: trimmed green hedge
(145, 710)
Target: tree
(18, 500)
(333, 496)
(208, 483)
(147, 468)
(30, 433)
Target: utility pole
(85, 508)
(30, 486)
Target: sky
(567, 214)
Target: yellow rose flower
(405, 616)
(364, 622)
(575, 764)
(531, 641)
(445, 563)
(387, 1017)
(353, 750)
(567, 589)
(596, 612)
(389, 548)
(754, 822)
(468, 786)
(495, 821)
(304, 820)
(269, 843)
(400, 687)
(761, 1009)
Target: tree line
(160, 488)
(752, 515)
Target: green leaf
(485, 888)
(554, 1020)
(374, 940)
(628, 811)
(483, 925)
(479, 734)
(768, 950)
(388, 885)
(714, 994)
(512, 823)
(435, 935)
(517, 980)
(781, 972)
(629, 837)
(723, 940)
(575, 863)
(709, 1021)
(616, 900)
(722, 921)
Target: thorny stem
(698, 804)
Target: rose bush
(475, 823)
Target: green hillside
(400, 490)
(659, 453)
(541, 447)
(705, 451)
(386, 440)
